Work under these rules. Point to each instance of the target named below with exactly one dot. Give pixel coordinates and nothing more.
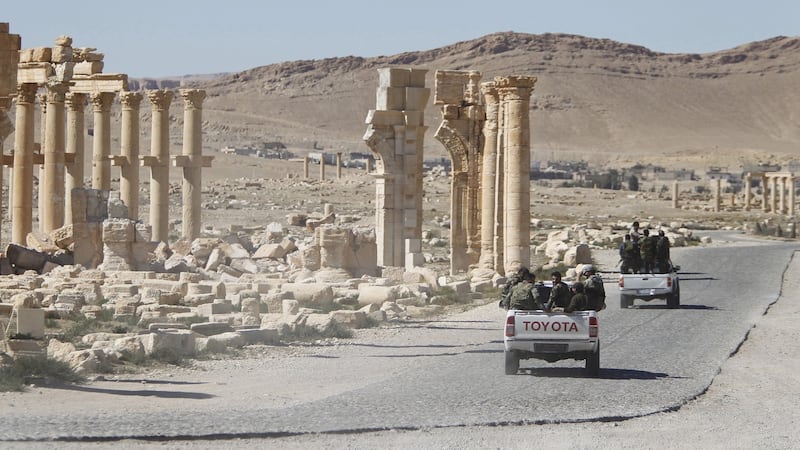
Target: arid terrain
(597, 100)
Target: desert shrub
(15, 374)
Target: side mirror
(676, 268)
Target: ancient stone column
(339, 165)
(515, 93)
(782, 195)
(322, 167)
(52, 215)
(747, 194)
(791, 196)
(76, 127)
(192, 161)
(460, 134)
(159, 164)
(396, 135)
(764, 190)
(101, 145)
(129, 152)
(491, 103)
(305, 166)
(368, 165)
(717, 187)
(773, 196)
(38, 156)
(675, 194)
(23, 164)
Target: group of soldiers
(523, 292)
(642, 253)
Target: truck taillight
(510, 326)
(621, 281)
(593, 327)
(669, 281)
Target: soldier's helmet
(587, 269)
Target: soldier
(513, 280)
(579, 301)
(634, 232)
(559, 295)
(594, 289)
(523, 294)
(629, 255)
(662, 253)
(648, 251)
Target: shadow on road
(605, 374)
(141, 393)
(695, 307)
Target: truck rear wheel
(625, 301)
(512, 363)
(593, 362)
(674, 300)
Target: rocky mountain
(595, 99)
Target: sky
(146, 38)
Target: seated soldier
(559, 295)
(522, 295)
(579, 301)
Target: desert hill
(595, 99)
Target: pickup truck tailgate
(643, 281)
(552, 326)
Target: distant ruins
(486, 131)
(63, 79)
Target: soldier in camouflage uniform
(594, 289)
(513, 280)
(523, 294)
(648, 249)
(629, 255)
(559, 295)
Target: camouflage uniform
(662, 253)
(505, 299)
(595, 292)
(648, 249)
(559, 295)
(629, 254)
(522, 296)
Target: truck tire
(512, 363)
(625, 301)
(593, 363)
(674, 300)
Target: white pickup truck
(551, 336)
(648, 286)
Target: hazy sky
(146, 38)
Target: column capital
(26, 93)
(101, 101)
(56, 92)
(193, 98)
(515, 87)
(75, 101)
(130, 100)
(489, 91)
(160, 99)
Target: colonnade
(62, 133)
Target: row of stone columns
(63, 152)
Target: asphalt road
(449, 373)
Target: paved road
(447, 373)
